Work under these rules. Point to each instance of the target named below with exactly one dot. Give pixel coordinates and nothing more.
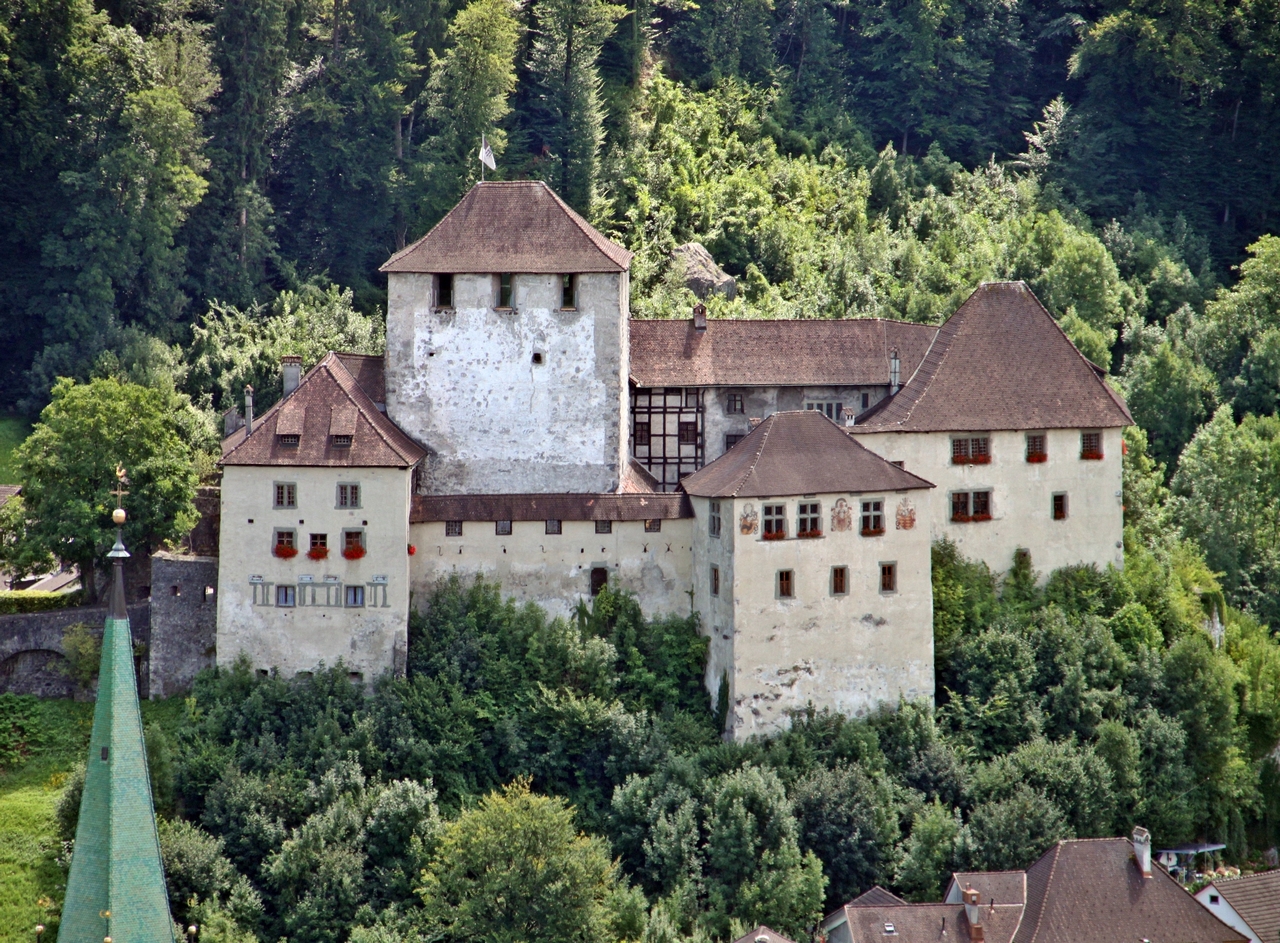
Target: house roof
(7, 492)
(799, 452)
(925, 923)
(1092, 891)
(762, 934)
(821, 352)
(876, 897)
(1004, 887)
(511, 226)
(1256, 899)
(1001, 362)
(548, 507)
(329, 401)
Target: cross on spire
(121, 481)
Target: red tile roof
(762, 934)
(1256, 899)
(517, 226)
(1091, 891)
(925, 923)
(876, 897)
(1001, 362)
(329, 401)
(798, 452)
(848, 352)
(7, 492)
(543, 507)
(1005, 887)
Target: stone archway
(37, 671)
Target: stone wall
(184, 621)
(32, 657)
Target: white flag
(486, 154)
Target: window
(839, 581)
(975, 450)
(444, 291)
(341, 441)
(599, 579)
(355, 596)
(715, 581)
(832, 411)
(960, 506)
(736, 404)
(1091, 446)
(286, 496)
(319, 541)
(692, 399)
(289, 440)
(688, 433)
(641, 435)
(604, 527)
(775, 521)
(982, 505)
(569, 292)
(348, 496)
(286, 596)
(502, 528)
(504, 290)
(970, 506)
(1060, 507)
(553, 527)
(888, 577)
(872, 518)
(898, 464)
(866, 400)
(1213, 898)
(809, 520)
(453, 528)
(1036, 447)
(653, 526)
(786, 584)
(352, 541)
(731, 439)
(286, 539)
(713, 520)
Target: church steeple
(116, 887)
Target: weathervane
(118, 515)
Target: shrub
(83, 650)
(18, 601)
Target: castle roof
(511, 226)
(800, 452)
(549, 507)
(1004, 887)
(1001, 362)
(819, 352)
(329, 402)
(1256, 898)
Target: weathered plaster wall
(847, 652)
(1022, 498)
(554, 570)
(184, 621)
(371, 639)
(716, 612)
(463, 381)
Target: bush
(20, 601)
(83, 650)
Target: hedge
(29, 600)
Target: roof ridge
(1048, 882)
(751, 468)
(584, 227)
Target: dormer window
(289, 440)
(444, 291)
(568, 292)
(504, 290)
(341, 441)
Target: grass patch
(13, 430)
(54, 738)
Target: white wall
(554, 570)
(1022, 499)
(1225, 912)
(369, 640)
(849, 653)
(462, 381)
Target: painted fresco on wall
(841, 516)
(906, 517)
(749, 522)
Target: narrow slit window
(715, 581)
(888, 577)
(786, 584)
(839, 580)
(504, 290)
(444, 291)
(568, 292)
(713, 519)
(1060, 507)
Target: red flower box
(774, 535)
(981, 460)
(960, 518)
(980, 517)
(318, 553)
(285, 552)
(971, 460)
(353, 553)
(873, 532)
(1091, 456)
(412, 549)
(1035, 458)
(809, 534)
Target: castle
(782, 479)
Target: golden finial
(118, 514)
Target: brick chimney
(290, 373)
(248, 410)
(1142, 850)
(973, 913)
(699, 317)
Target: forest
(193, 188)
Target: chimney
(231, 421)
(895, 371)
(755, 421)
(1142, 850)
(850, 417)
(248, 411)
(973, 913)
(699, 317)
(290, 373)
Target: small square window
(692, 399)
(319, 541)
(286, 495)
(444, 291)
(453, 528)
(872, 518)
(286, 596)
(731, 439)
(809, 519)
(341, 441)
(285, 539)
(1036, 447)
(1060, 507)
(641, 435)
(1091, 446)
(504, 290)
(1213, 898)
(653, 526)
(888, 577)
(604, 527)
(502, 528)
(839, 580)
(348, 496)
(688, 433)
(553, 527)
(786, 584)
(736, 404)
(715, 581)
(568, 292)
(355, 596)
(713, 519)
(352, 540)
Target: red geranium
(354, 552)
(775, 535)
(318, 553)
(412, 549)
(1036, 458)
(285, 552)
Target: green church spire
(116, 888)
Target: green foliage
(929, 853)
(1005, 834)
(82, 647)
(1170, 395)
(16, 601)
(12, 431)
(964, 597)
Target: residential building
(1250, 904)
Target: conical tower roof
(116, 888)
